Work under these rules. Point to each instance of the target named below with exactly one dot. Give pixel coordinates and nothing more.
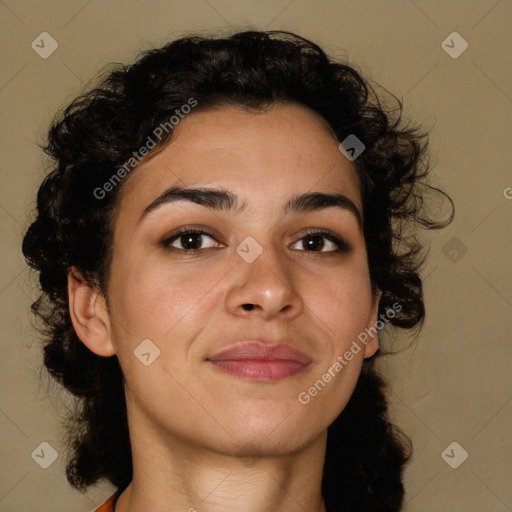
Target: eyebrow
(220, 199)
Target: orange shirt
(109, 504)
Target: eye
(323, 241)
(190, 240)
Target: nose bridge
(267, 282)
(270, 265)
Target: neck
(174, 476)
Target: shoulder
(108, 504)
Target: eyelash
(343, 247)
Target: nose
(265, 288)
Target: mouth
(258, 360)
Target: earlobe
(89, 314)
(373, 344)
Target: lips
(260, 360)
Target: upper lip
(260, 350)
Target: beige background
(455, 384)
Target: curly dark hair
(99, 131)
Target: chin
(258, 446)
(270, 435)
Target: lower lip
(260, 370)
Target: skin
(201, 438)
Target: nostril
(248, 307)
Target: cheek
(157, 301)
(342, 302)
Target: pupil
(311, 243)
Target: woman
(219, 244)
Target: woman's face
(307, 292)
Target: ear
(373, 344)
(89, 314)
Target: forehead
(285, 149)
